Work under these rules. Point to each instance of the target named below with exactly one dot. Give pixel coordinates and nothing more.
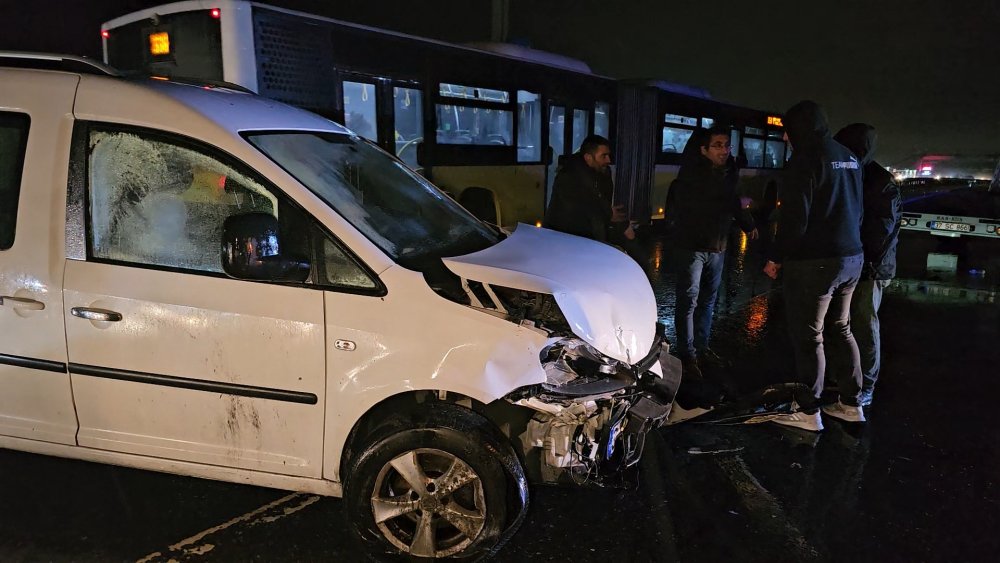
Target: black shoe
(707, 359)
(689, 365)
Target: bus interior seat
(481, 202)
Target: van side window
(158, 202)
(162, 204)
(13, 142)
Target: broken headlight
(574, 368)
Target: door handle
(21, 303)
(93, 314)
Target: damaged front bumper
(589, 420)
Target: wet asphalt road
(918, 483)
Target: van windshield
(401, 212)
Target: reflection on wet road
(918, 483)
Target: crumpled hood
(603, 293)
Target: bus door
(364, 106)
(568, 127)
(385, 111)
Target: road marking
(190, 546)
(766, 509)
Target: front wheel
(434, 491)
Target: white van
(205, 282)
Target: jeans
(699, 275)
(864, 324)
(816, 292)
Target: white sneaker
(811, 422)
(844, 412)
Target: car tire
(432, 486)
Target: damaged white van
(202, 281)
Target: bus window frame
(572, 105)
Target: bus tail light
(216, 13)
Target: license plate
(949, 226)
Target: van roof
(105, 95)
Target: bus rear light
(105, 34)
(216, 13)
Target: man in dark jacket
(581, 196)
(879, 235)
(818, 248)
(704, 203)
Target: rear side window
(13, 141)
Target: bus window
(707, 122)
(462, 125)
(774, 153)
(409, 123)
(581, 127)
(529, 127)
(557, 130)
(602, 119)
(473, 93)
(680, 119)
(674, 139)
(360, 115)
(734, 140)
(754, 151)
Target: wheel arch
(405, 410)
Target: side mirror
(250, 250)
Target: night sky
(923, 72)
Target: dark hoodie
(882, 204)
(581, 202)
(704, 201)
(821, 202)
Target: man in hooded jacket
(818, 249)
(704, 201)
(879, 235)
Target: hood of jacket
(806, 125)
(860, 138)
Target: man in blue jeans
(704, 201)
(818, 249)
(879, 235)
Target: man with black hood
(879, 235)
(581, 196)
(704, 201)
(818, 248)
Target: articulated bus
(476, 121)
(487, 122)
